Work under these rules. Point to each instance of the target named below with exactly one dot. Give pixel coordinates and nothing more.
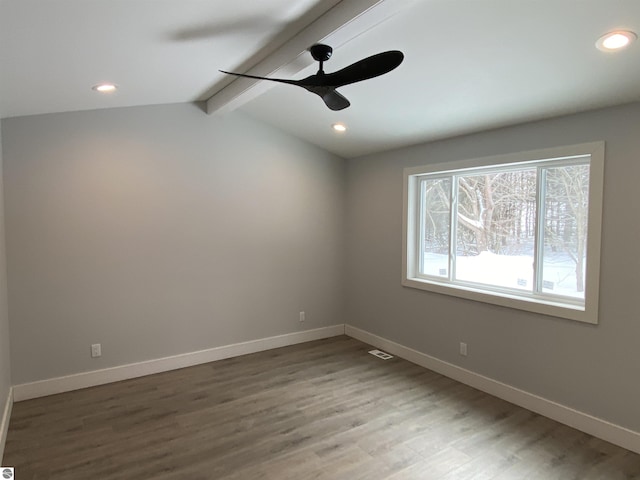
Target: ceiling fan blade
(365, 69)
(279, 80)
(332, 99)
(335, 101)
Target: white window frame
(587, 312)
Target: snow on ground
(510, 271)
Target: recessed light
(105, 88)
(339, 127)
(617, 40)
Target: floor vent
(380, 354)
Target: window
(520, 230)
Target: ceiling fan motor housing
(321, 52)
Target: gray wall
(594, 369)
(5, 364)
(160, 230)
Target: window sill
(536, 305)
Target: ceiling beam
(343, 22)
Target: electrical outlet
(302, 316)
(96, 350)
(463, 349)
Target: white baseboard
(597, 427)
(4, 426)
(77, 381)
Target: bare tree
(496, 211)
(437, 198)
(566, 214)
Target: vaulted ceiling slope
(470, 65)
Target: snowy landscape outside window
(519, 230)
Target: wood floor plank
(324, 410)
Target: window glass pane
(495, 228)
(564, 254)
(436, 194)
(509, 230)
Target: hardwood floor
(323, 410)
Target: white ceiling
(470, 65)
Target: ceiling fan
(325, 84)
